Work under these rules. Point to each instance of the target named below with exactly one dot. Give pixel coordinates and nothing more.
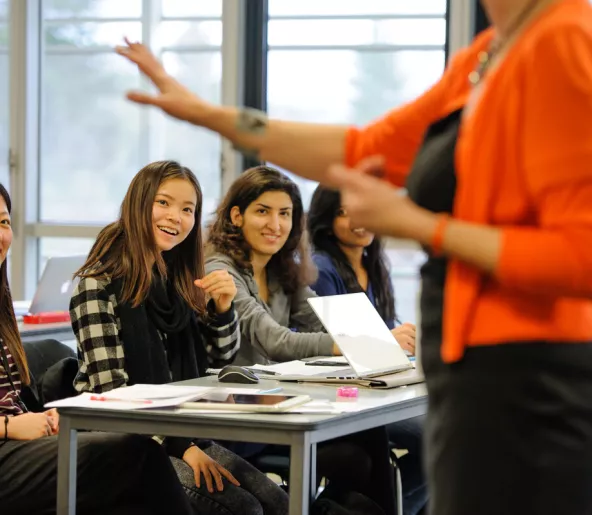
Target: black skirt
(509, 431)
(509, 428)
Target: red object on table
(47, 318)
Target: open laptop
(375, 357)
(56, 285)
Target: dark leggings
(117, 474)
(359, 462)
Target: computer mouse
(236, 374)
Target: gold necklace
(486, 56)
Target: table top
(57, 327)
(371, 402)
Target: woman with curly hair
(258, 237)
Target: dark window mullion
(255, 61)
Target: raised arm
(305, 149)
(100, 349)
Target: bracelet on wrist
(439, 233)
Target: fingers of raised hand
(214, 278)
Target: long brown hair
(8, 326)
(127, 248)
(292, 265)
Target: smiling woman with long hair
(258, 236)
(29, 445)
(141, 314)
(351, 259)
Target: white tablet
(250, 402)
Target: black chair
(52, 367)
(272, 463)
(278, 463)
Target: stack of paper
(139, 396)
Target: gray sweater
(273, 332)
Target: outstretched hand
(172, 97)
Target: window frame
(243, 44)
(26, 58)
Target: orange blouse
(524, 165)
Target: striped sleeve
(222, 333)
(9, 404)
(96, 327)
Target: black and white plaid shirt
(96, 324)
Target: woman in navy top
(350, 259)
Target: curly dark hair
(292, 265)
(323, 210)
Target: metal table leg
(313, 472)
(67, 460)
(300, 474)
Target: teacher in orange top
(497, 160)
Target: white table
(300, 432)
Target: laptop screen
(360, 333)
(56, 285)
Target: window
(82, 141)
(358, 60)
(79, 141)
(92, 140)
(350, 61)
(4, 83)
(57, 247)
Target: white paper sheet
(135, 397)
(157, 391)
(298, 368)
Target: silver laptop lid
(360, 333)
(56, 285)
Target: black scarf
(162, 341)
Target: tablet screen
(244, 398)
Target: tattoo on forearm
(253, 122)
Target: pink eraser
(347, 393)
